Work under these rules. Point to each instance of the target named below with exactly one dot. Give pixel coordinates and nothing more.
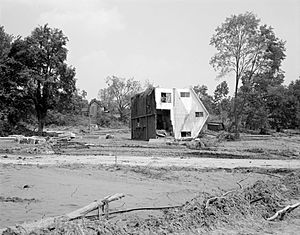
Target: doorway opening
(163, 121)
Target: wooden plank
(93, 206)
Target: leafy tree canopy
(46, 78)
(117, 96)
(246, 48)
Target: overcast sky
(164, 41)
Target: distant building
(177, 112)
(85, 111)
(95, 107)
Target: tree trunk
(236, 130)
(41, 116)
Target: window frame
(199, 114)
(187, 134)
(185, 94)
(166, 98)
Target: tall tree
(242, 48)
(5, 45)
(48, 78)
(118, 94)
(13, 102)
(255, 89)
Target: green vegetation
(35, 79)
(254, 54)
(117, 98)
(38, 88)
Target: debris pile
(17, 199)
(41, 145)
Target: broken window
(198, 114)
(165, 97)
(186, 134)
(184, 94)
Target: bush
(59, 119)
(108, 120)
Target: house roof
(95, 101)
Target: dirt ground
(38, 181)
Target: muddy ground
(39, 181)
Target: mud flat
(49, 190)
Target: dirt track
(190, 162)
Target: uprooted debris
(109, 136)
(60, 146)
(21, 139)
(258, 203)
(53, 143)
(17, 199)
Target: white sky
(164, 41)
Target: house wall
(93, 110)
(165, 105)
(158, 98)
(185, 109)
(143, 115)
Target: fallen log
(27, 228)
(283, 211)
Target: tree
(242, 48)
(201, 91)
(222, 103)
(255, 88)
(117, 96)
(221, 91)
(48, 79)
(107, 100)
(5, 45)
(14, 104)
(294, 96)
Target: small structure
(85, 111)
(215, 126)
(94, 107)
(176, 112)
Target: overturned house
(175, 112)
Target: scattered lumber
(283, 211)
(27, 228)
